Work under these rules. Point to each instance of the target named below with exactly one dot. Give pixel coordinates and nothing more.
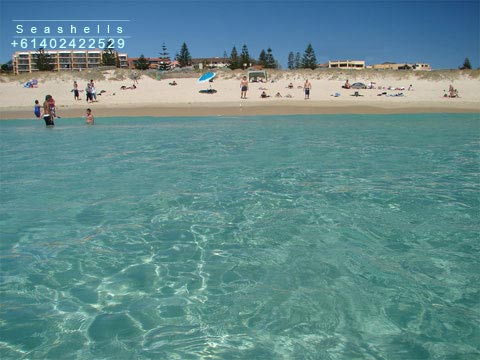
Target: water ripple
(329, 237)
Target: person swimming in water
(89, 118)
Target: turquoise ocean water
(296, 237)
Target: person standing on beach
(76, 94)
(89, 118)
(244, 88)
(94, 92)
(48, 114)
(88, 91)
(307, 87)
(135, 77)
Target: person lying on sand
(173, 83)
(264, 95)
(278, 95)
(133, 87)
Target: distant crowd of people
(90, 91)
(244, 88)
(48, 110)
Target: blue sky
(439, 32)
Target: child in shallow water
(37, 108)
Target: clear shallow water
(300, 237)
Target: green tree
(309, 60)
(262, 58)
(184, 58)
(298, 61)
(43, 61)
(270, 62)
(466, 64)
(8, 66)
(141, 63)
(245, 57)
(291, 61)
(165, 62)
(110, 55)
(234, 59)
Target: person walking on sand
(89, 118)
(244, 88)
(307, 87)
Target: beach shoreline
(239, 109)
(390, 93)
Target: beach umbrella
(204, 78)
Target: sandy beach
(156, 97)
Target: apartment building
(402, 66)
(346, 64)
(63, 60)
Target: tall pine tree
(234, 59)
(245, 57)
(165, 62)
(141, 63)
(110, 55)
(291, 61)
(309, 60)
(184, 58)
(466, 64)
(262, 58)
(298, 61)
(270, 62)
(43, 61)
